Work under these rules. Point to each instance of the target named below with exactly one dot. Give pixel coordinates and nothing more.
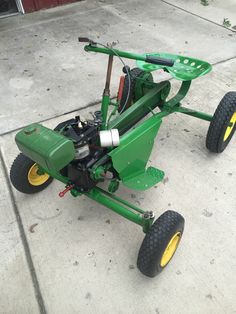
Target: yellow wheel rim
(230, 128)
(36, 179)
(170, 249)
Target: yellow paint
(230, 128)
(36, 179)
(170, 249)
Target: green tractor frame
(116, 144)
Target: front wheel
(160, 243)
(26, 177)
(223, 124)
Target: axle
(120, 206)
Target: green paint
(75, 193)
(115, 52)
(107, 200)
(148, 221)
(131, 156)
(139, 109)
(104, 109)
(145, 179)
(184, 68)
(121, 207)
(113, 186)
(194, 113)
(142, 85)
(98, 173)
(174, 102)
(51, 150)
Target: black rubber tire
(134, 74)
(222, 116)
(19, 176)
(156, 241)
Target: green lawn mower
(115, 145)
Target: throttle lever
(85, 40)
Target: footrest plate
(145, 180)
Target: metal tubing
(99, 196)
(55, 175)
(175, 101)
(139, 210)
(194, 113)
(115, 52)
(108, 77)
(139, 109)
(104, 109)
(106, 93)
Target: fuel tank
(49, 149)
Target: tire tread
(156, 240)
(19, 175)
(223, 113)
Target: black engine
(85, 136)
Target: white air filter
(109, 138)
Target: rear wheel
(135, 75)
(26, 177)
(223, 124)
(160, 243)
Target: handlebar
(160, 61)
(85, 40)
(92, 46)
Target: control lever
(68, 188)
(85, 40)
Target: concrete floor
(81, 257)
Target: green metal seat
(184, 68)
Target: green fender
(131, 156)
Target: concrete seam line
(49, 20)
(222, 61)
(194, 14)
(94, 103)
(91, 104)
(9, 15)
(53, 117)
(37, 290)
